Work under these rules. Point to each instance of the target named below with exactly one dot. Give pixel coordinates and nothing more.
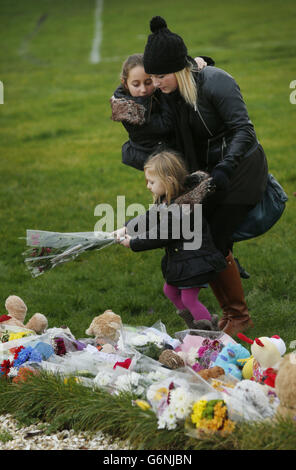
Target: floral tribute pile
(179, 378)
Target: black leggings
(223, 220)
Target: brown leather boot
(229, 292)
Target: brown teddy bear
(105, 327)
(285, 387)
(211, 373)
(17, 311)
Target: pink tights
(187, 299)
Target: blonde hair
(132, 61)
(187, 85)
(169, 167)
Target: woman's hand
(126, 241)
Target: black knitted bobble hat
(165, 52)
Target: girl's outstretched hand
(119, 234)
(126, 241)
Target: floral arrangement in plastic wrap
(132, 375)
(49, 249)
(202, 357)
(148, 341)
(7, 335)
(179, 402)
(172, 398)
(62, 344)
(10, 367)
(209, 415)
(24, 374)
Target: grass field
(61, 153)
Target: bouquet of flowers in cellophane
(49, 249)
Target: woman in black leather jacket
(214, 134)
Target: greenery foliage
(45, 398)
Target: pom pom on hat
(165, 52)
(157, 23)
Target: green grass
(61, 153)
(5, 436)
(74, 406)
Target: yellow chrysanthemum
(220, 410)
(228, 426)
(198, 409)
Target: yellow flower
(160, 393)
(19, 335)
(198, 409)
(70, 380)
(143, 404)
(228, 426)
(207, 425)
(218, 423)
(220, 410)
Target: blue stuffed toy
(228, 359)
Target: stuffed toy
(17, 311)
(251, 401)
(229, 358)
(211, 373)
(247, 367)
(106, 328)
(267, 354)
(285, 387)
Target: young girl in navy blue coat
(186, 268)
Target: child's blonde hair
(132, 61)
(169, 167)
(187, 85)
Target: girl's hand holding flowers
(126, 241)
(119, 234)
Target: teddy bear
(106, 328)
(17, 311)
(211, 373)
(285, 387)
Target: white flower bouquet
(150, 341)
(172, 398)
